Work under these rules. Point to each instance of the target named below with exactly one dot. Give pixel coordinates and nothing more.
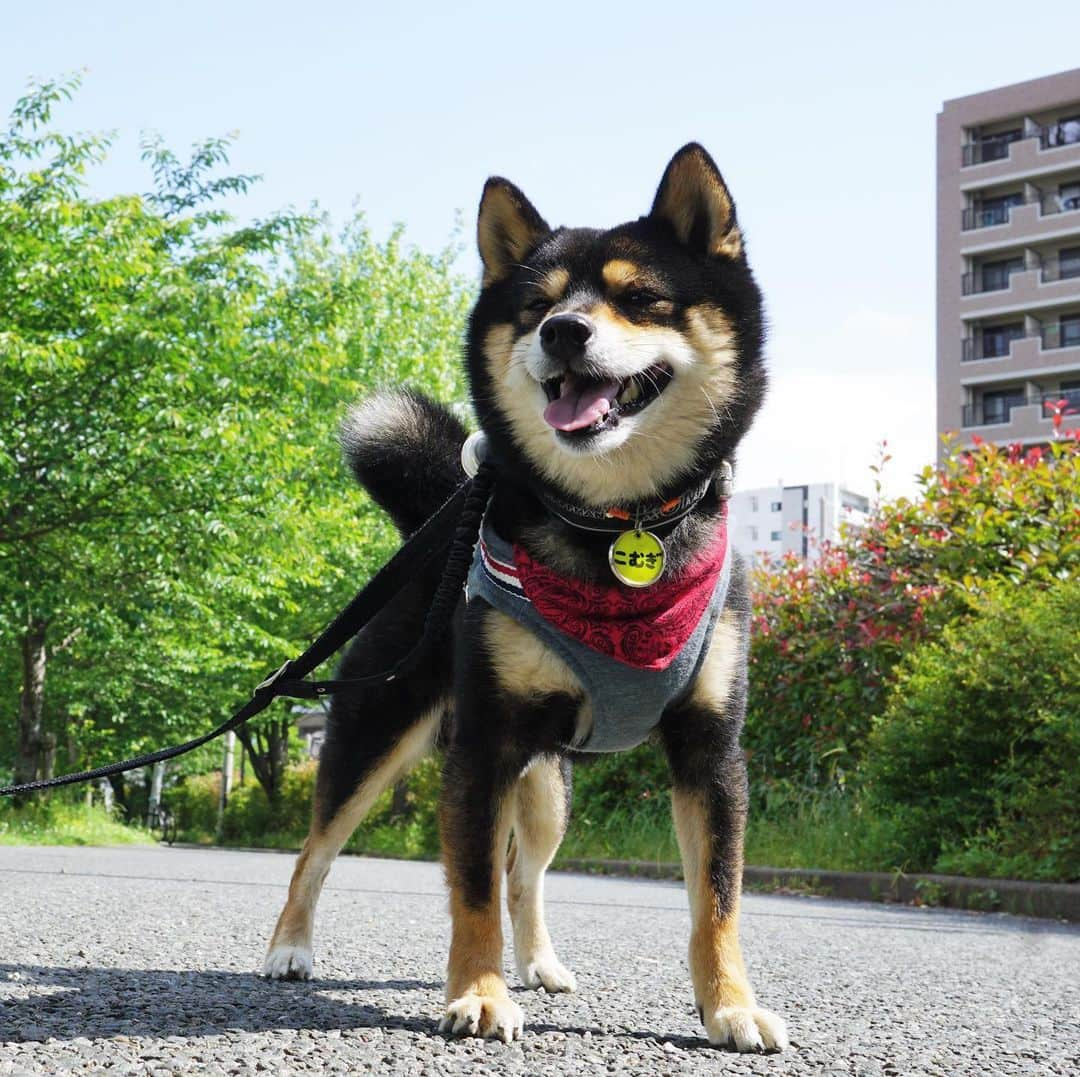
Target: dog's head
(619, 365)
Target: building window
(775, 506)
(1069, 262)
(1069, 331)
(991, 211)
(997, 339)
(995, 275)
(753, 534)
(1069, 196)
(1064, 132)
(993, 147)
(997, 404)
(774, 536)
(753, 503)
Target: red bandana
(644, 627)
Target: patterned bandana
(643, 627)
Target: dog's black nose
(564, 336)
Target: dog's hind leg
(541, 802)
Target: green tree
(174, 518)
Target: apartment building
(1008, 260)
(777, 520)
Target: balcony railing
(1053, 202)
(974, 217)
(985, 279)
(1059, 134)
(991, 412)
(1054, 269)
(996, 147)
(984, 217)
(988, 149)
(982, 347)
(998, 411)
(1061, 336)
(1070, 396)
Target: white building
(776, 520)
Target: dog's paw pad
(746, 1028)
(288, 963)
(548, 972)
(488, 1016)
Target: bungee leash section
(453, 530)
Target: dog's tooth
(630, 393)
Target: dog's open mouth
(580, 406)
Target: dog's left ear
(507, 228)
(694, 200)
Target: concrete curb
(1047, 901)
(1051, 901)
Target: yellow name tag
(637, 558)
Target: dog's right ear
(507, 228)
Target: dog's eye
(641, 297)
(538, 305)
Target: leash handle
(466, 508)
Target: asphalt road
(142, 961)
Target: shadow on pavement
(65, 1003)
(98, 1003)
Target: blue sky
(820, 116)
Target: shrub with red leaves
(828, 637)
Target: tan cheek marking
(711, 333)
(717, 674)
(716, 964)
(498, 343)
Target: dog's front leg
(474, 817)
(709, 803)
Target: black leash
(462, 513)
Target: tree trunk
(119, 787)
(31, 699)
(399, 800)
(268, 749)
(48, 755)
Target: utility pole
(226, 775)
(154, 800)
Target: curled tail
(406, 451)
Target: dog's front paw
(747, 1028)
(489, 1016)
(288, 963)
(547, 971)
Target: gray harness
(627, 703)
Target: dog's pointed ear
(694, 200)
(507, 228)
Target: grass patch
(58, 822)
(826, 831)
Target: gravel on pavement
(143, 961)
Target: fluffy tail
(406, 451)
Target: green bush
(975, 756)
(194, 803)
(408, 828)
(827, 637)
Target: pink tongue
(580, 405)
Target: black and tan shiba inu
(614, 374)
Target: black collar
(651, 516)
(647, 516)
